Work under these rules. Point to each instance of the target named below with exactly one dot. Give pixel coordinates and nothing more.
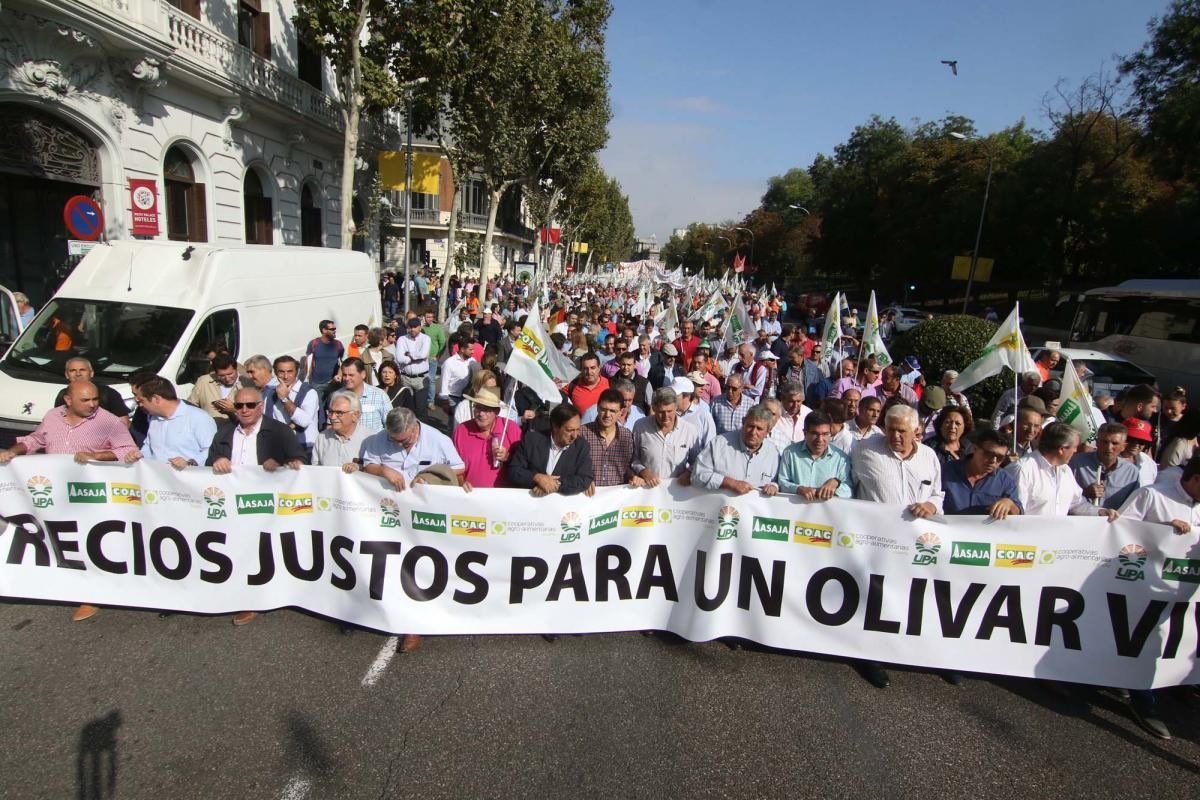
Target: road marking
(386, 653)
(297, 789)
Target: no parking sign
(84, 218)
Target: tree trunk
(485, 257)
(352, 111)
(450, 231)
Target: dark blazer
(275, 440)
(574, 468)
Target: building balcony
(466, 220)
(424, 217)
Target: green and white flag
(740, 327)
(714, 305)
(1075, 405)
(535, 361)
(1006, 348)
(833, 326)
(872, 341)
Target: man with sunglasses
(323, 355)
(976, 484)
(864, 381)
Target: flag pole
(1017, 377)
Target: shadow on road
(305, 750)
(96, 761)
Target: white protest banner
(1071, 598)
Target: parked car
(1108, 373)
(906, 318)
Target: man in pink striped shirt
(83, 429)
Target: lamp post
(987, 186)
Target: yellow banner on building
(962, 269)
(426, 171)
(579, 247)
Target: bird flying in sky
(953, 65)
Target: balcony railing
(419, 216)
(466, 220)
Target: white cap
(683, 385)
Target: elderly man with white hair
(1008, 401)
(954, 399)
(340, 445)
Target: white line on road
(386, 653)
(297, 789)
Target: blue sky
(712, 98)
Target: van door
(218, 328)
(10, 320)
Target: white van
(141, 306)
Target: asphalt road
(130, 705)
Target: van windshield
(119, 339)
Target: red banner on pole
(554, 235)
(143, 201)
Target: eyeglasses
(246, 405)
(333, 413)
(331, 330)
(991, 455)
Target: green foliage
(953, 342)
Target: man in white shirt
(663, 447)
(692, 411)
(1045, 483)
(792, 414)
(412, 355)
(293, 402)
(455, 376)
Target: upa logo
(812, 534)
(928, 545)
(772, 529)
(256, 503)
(572, 527)
(468, 526)
(637, 517)
(727, 522)
(1184, 570)
(292, 504)
(603, 522)
(389, 513)
(41, 491)
(214, 503)
(129, 493)
(1018, 556)
(1132, 558)
(429, 522)
(86, 492)
(971, 554)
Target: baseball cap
(934, 398)
(669, 350)
(1139, 429)
(698, 378)
(768, 356)
(683, 385)
(911, 362)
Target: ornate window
(43, 146)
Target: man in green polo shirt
(437, 347)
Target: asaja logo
(292, 504)
(571, 526)
(129, 493)
(813, 534)
(468, 526)
(214, 502)
(389, 513)
(664, 515)
(1132, 558)
(603, 522)
(727, 522)
(256, 503)
(426, 521)
(1185, 570)
(770, 528)
(637, 517)
(1019, 556)
(928, 545)
(86, 493)
(41, 491)
(972, 554)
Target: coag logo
(41, 491)
(571, 526)
(602, 522)
(637, 517)
(770, 528)
(813, 534)
(1185, 570)
(426, 521)
(86, 493)
(129, 493)
(972, 554)
(928, 545)
(256, 503)
(1020, 556)
(389, 513)
(468, 526)
(292, 504)
(433, 523)
(1132, 558)
(727, 522)
(214, 503)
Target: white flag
(872, 341)
(1075, 405)
(740, 327)
(536, 362)
(833, 326)
(1006, 348)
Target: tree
(793, 188)
(337, 28)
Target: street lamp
(982, 214)
(798, 207)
